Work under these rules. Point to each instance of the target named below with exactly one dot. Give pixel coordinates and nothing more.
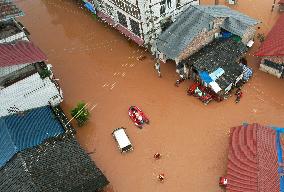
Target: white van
(122, 139)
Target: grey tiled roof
(193, 20)
(59, 165)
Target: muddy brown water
(95, 63)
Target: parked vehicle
(200, 92)
(122, 140)
(137, 116)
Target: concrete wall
(29, 93)
(271, 70)
(249, 35)
(201, 40)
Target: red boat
(223, 181)
(137, 116)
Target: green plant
(260, 37)
(45, 73)
(80, 113)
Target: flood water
(97, 64)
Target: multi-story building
(140, 20)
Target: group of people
(161, 176)
(182, 74)
(238, 94)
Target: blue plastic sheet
(247, 72)
(90, 7)
(205, 76)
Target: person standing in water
(158, 68)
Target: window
(122, 19)
(178, 3)
(109, 10)
(211, 25)
(169, 3)
(163, 7)
(166, 23)
(135, 27)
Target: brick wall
(201, 40)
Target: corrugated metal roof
(20, 53)
(274, 42)
(9, 10)
(195, 19)
(187, 26)
(21, 132)
(252, 159)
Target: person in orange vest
(161, 177)
(157, 156)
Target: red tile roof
(252, 160)
(20, 53)
(274, 42)
(281, 2)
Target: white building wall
(150, 17)
(29, 93)
(18, 36)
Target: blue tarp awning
(90, 7)
(204, 75)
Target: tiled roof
(9, 10)
(20, 53)
(274, 42)
(194, 20)
(252, 160)
(222, 53)
(281, 2)
(21, 132)
(59, 165)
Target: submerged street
(97, 64)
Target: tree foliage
(80, 113)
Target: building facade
(140, 20)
